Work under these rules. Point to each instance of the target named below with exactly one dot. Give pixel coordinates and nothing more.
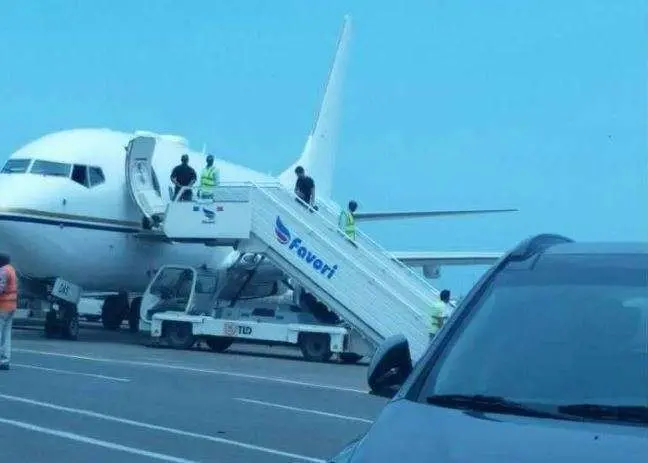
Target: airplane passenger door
(139, 176)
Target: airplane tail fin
(318, 156)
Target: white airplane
(67, 210)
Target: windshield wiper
(631, 413)
(487, 403)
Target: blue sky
(448, 104)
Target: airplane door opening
(142, 183)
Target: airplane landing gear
(116, 309)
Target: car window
(567, 331)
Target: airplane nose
(11, 190)
(26, 192)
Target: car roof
(598, 247)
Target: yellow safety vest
(209, 177)
(347, 224)
(435, 310)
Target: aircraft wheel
(179, 335)
(112, 313)
(51, 324)
(315, 347)
(218, 343)
(134, 315)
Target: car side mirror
(390, 366)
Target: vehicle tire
(178, 335)
(218, 343)
(315, 347)
(70, 327)
(51, 324)
(350, 357)
(134, 315)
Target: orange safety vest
(9, 299)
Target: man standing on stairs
(346, 221)
(8, 305)
(209, 178)
(183, 175)
(305, 187)
(439, 312)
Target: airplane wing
(435, 259)
(366, 216)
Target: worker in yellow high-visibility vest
(209, 178)
(346, 221)
(439, 312)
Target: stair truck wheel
(178, 335)
(70, 321)
(218, 343)
(134, 315)
(350, 357)
(315, 347)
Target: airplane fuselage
(54, 226)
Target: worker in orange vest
(8, 304)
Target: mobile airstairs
(376, 295)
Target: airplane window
(96, 176)
(80, 174)
(51, 168)
(16, 166)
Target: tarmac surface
(107, 397)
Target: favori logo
(281, 231)
(283, 235)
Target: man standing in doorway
(8, 304)
(181, 176)
(304, 187)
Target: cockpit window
(87, 176)
(51, 168)
(16, 166)
(80, 174)
(96, 176)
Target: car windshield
(565, 330)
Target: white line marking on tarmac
(196, 370)
(90, 440)
(56, 370)
(305, 410)
(155, 427)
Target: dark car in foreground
(545, 360)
